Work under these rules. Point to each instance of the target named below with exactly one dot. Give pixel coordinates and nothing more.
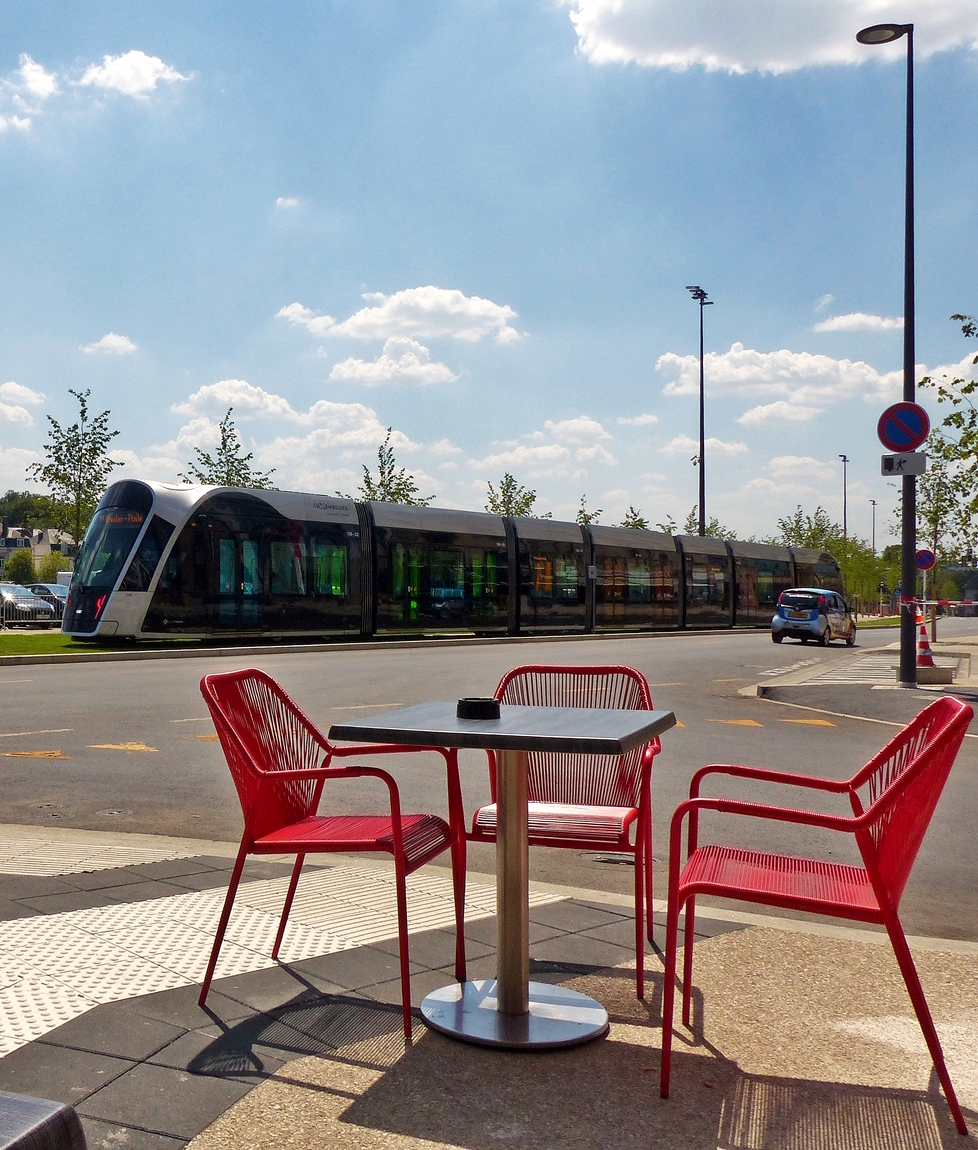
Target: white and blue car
(813, 614)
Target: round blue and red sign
(925, 559)
(903, 427)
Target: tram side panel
(761, 573)
(815, 568)
(438, 570)
(637, 580)
(707, 582)
(552, 559)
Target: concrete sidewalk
(803, 1034)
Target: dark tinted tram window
(638, 590)
(106, 546)
(553, 585)
(147, 558)
(708, 595)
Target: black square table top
(581, 730)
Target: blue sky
(474, 221)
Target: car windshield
(799, 600)
(18, 592)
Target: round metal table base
(557, 1017)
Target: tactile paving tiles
(47, 859)
(55, 967)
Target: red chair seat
(564, 822)
(424, 836)
(783, 880)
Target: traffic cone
(924, 656)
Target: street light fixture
(845, 498)
(699, 295)
(886, 34)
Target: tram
(164, 560)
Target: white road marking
(24, 734)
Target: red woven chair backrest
(590, 780)
(902, 785)
(263, 732)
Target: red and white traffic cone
(924, 656)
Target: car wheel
(851, 637)
(776, 638)
(823, 639)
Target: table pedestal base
(557, 1016)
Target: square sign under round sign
(907, 463)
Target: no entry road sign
(903, 427)
(925, 559)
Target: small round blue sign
(903, 427)
(925, 559)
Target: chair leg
(922, 1010)
(458, 882)
(299, 859)
(639, 917)
(223, 924)
(402, 939)
(648, 880)
(669, 994)
(688, 956)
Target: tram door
(239, 592)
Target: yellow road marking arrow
(809, 722)
(34, 755)
(217, 738)
(121, 747)
(736, 722)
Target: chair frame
(897, 767)
(639, 816)
(302, 844)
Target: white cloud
(19, 123)
(637, 420)
(35, 79)
(248, 401)
(14, 413)
(133, 73)
(419, 313)
(824, 301)
(582, 429)
(14, 462)
(548, 461)
(684, 445)
(595, 454)
(797, 375)
(779, 410)
(444, 447)
(860, 321)
(802, 467)
(18, 393)
(110, 344)
(966, 369)
(740, 36)
(287, 202)
(402, 359)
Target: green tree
(29, 509)
(229, 467)
(393, 484)
(804, 530)
(77, 465)
(19, 568)
(634, 520)
(584, 517)
(714, 528)
(511, 498)
(48, 567)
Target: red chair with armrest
(280, 764)
(900, 788)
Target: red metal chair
(586, 802)
(901, 786)
(280, 763)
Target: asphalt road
(130, 746)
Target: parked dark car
(21, 608)
(54, 593)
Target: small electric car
(812, 613)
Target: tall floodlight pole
(699, 295)
(845, 498)
(873, 501)
(886, 34)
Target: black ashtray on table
(477, 709)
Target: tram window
(106, 546)
(405, 580)
(639, 581)
(147, 558)
(565, 579)
(250, 583)
(285, 562)
(543, 578)
(447, 575)
(329, 569)
(484, 567)
(227, 579)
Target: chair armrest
(384, 749)
(834, 786)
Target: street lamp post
(886, 34)
(873, 501)
(845, 498)
(699, 295)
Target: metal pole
(845, 498)
(702, 498)
(908, 533)
(873, 501)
